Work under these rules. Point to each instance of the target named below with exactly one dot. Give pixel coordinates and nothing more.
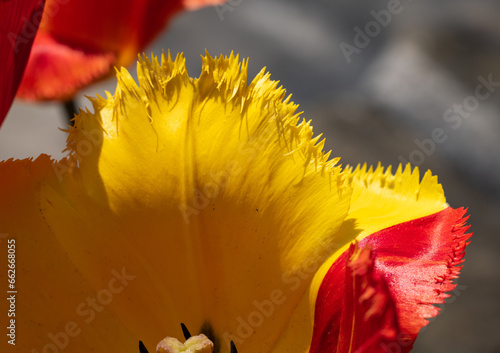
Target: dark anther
(185, 331)
(233, 348)
(142, 348)
(208, 330)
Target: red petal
(416, 262)
(116, 26)
(56, 71)
(83, 39)
(19, 22)
(354, 310)
(419, 260)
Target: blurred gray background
(385, 100)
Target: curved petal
(417, 258)
(422, 272)
(83, 40)
(19, 22)
(380, 200)
(213, 195)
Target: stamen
(233, 348)
(185, 331)
(142, 348)
(195, 344)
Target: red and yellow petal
(421, 272)
(19, 22)
(417, 259)
(380, 200)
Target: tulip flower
(210, 202)
(19, 22)
(80, 42)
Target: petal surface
(211, 193)
(19, 22)
(421, 273)
(55, 305)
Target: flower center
(193, 344)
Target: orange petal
(196, 4)
(65, 321)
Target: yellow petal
(210, 198)
(381, 199)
